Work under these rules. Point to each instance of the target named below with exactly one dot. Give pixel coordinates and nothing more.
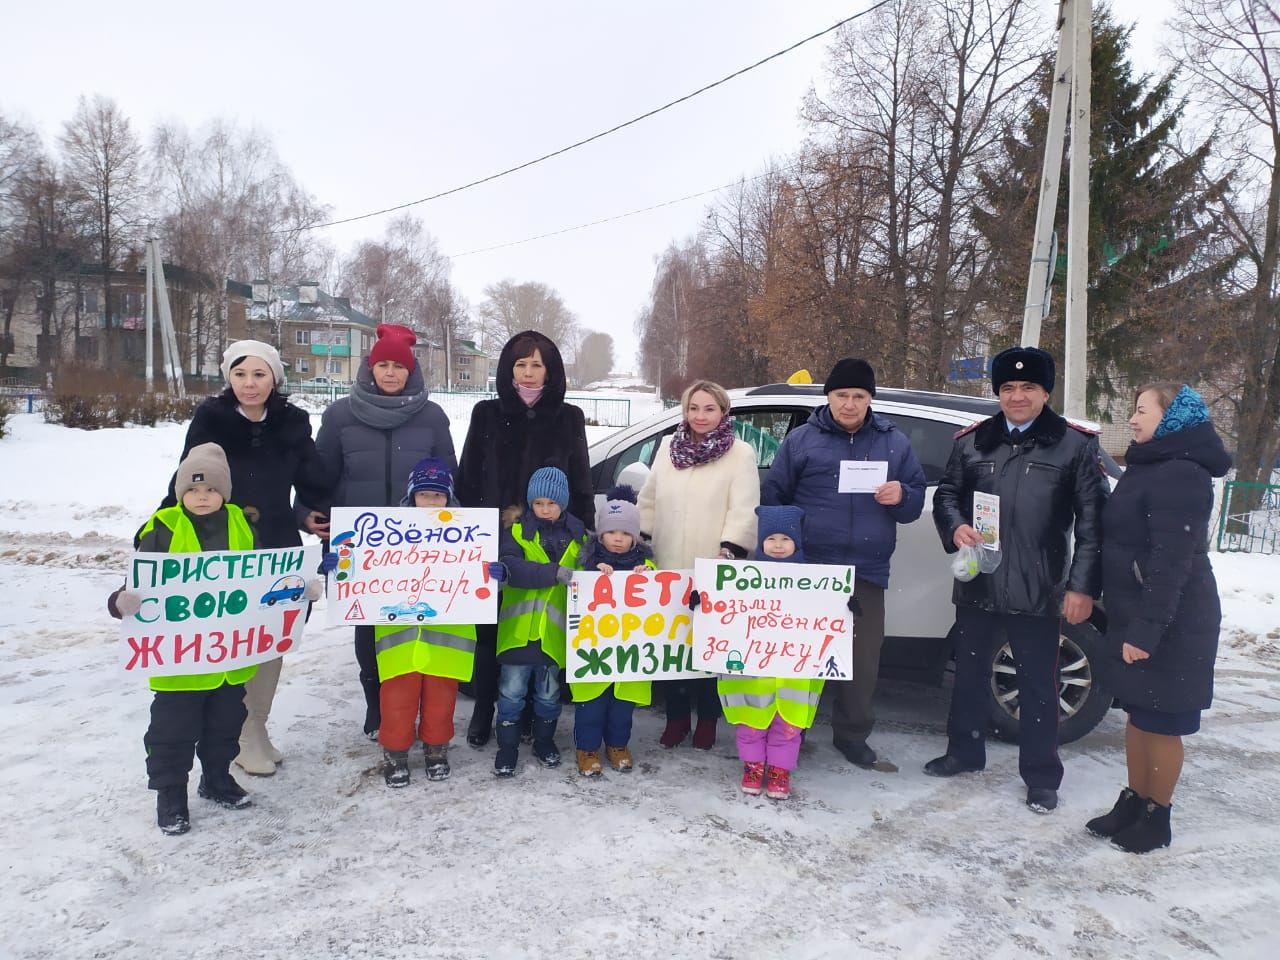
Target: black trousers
(1034, 641)
(367, 660)
(484, 678)
(685, 695)
(190, 723)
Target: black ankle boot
(171, 810)
(1150, 832)
(395, 767)
(544, 744)
(222, 789)
(1128, 809)
(508, 755)
(481, 726)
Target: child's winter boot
(704, 737)
(171, 810)
(508, 755)
(1150, 832)
(544, 744)
(619, 758)
(437, 757)
(589, 763)
(674, 733)
(222, 789)
(395, 767)
(752, 778)
(1127, 810)
(779, 783)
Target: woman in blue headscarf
(1162, 603)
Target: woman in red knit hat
(370, 441)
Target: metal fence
(21, 395)
(1249, 519)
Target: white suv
(918, 609)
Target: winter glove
(315, 589)
(854, 606)
(497, 571)
(329, 562)
(695, 599)
(564, 575)
(128, 602)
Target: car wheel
(296, 597)
(421, 618)
(390, 617)
(1081, 702)
(271, 602)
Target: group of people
(251, 476)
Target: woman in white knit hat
(269, 448)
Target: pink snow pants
(778, 746)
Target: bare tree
(105, 165)
(595, 357)
(1230, 53)
(511, 307)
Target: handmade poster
(986, 518)
(764, 619)
(862, 476)
(630, 626)
(215, 611)
(413, 565)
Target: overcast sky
(375, 103)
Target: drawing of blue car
(395, 611)
(286, 588)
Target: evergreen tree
(1150, 262)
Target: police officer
(1046, 473)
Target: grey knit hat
(205, 463)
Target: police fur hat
(1022, 363)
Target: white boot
(257, 756)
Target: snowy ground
(670, 861)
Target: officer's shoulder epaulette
(969, 429)
(1087, 431)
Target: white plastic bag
(971, 561)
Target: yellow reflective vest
(639, 692)
(753, 701)
(536, 614)
(436, 649)
(239, 537)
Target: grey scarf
(377, 410)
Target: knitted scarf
(686, 451)
(375, 409)
(1187, 410)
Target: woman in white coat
(699, 501)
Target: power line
(597, 136)
(619, 216)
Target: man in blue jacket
(818, 468)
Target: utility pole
(1072, 75)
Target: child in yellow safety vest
(771, 712)
(419, 665)
(604, 710)
(195, 714)
(539, 552)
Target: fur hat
(551, 483)
(851, 372)
(430, 474)
(395, 343)
(253, 348)
(1022, 363)
(619, 513)
(205, 463)
(786, 520)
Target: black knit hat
(1022, 363)
(851, 372)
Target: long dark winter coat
(1047, 481)
(508, 441)
(370, 464)
(1159, 589)
(268, 460)
(846, 527)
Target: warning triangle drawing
(356, 612)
